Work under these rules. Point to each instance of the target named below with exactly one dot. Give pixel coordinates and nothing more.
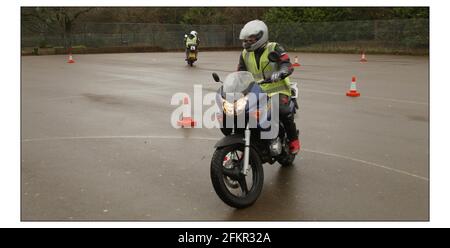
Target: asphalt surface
(97, 144)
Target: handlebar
(264, 81)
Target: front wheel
(231, 185)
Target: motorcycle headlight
(237, 108)
(228, 108)
(240, 105)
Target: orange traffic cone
(70, 61)
(186, 121)
(353, 92)
(363, 58)
(296, 61)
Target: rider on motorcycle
(254, 58)
(189, 40)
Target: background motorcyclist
(191, 39)
(254, 59)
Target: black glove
(278, 75)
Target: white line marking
(118, 137)
(216, 139)
(368, 163)
(62, 98)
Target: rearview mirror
(216, 77)
(274, 56)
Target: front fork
(246, 150)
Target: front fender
(230, 140)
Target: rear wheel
(231, 185)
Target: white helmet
(257, 29)
(194, 33)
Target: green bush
(79, 47)
(44, 44)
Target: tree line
(313, 24)
(216, 15)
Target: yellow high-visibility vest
(282, 86)
(190, 41)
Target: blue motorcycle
(236, 167)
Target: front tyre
(233, 187)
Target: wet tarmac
(97, 143)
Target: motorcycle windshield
(237, 82)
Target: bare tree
(66, 17)
(55, 19)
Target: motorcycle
(192, 55)
(236, 166)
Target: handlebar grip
(265, 81)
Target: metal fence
(396, 34)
